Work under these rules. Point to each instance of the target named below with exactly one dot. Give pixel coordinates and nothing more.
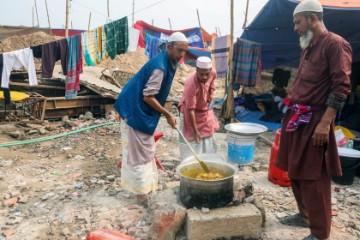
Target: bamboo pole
(89, 22)
(246, 14)
(133, 13)
(33, 17)
(227, 110)
(108, 9)
(37, 15)
(197, 11)
(67, 19)
(47, 12)
(170, 24)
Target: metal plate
(246, 128)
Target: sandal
(294, 220)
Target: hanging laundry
(246, 63)
(94, 46)
(117, 37)
(154, 46)
(52, 52)
(88, 40)
(74, 67)
(220, 55)
(4, 91)
(101, 45)
(133, 39)
(17, 59)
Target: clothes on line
(17, 59)
(94, 46)
(220, 55)
(117, 37)
(154, 46)
(6, 91)
(246, 62)
(133, 39)
(72, 85)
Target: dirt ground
(69, 186)
(65, 187)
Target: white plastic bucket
(241, 148)
(241, 139)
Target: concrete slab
(234, 221)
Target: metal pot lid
(348, 152)
(246, 128)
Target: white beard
(306, 39)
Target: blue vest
(130, 102)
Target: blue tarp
(274, 29)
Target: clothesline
(95, 45)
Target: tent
(273, 27)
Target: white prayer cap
(308, 6)
(203, 63)
(177, 37)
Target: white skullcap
(203, 63)
(308, 6)
(177, 37)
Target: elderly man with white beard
(307, 147)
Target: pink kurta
(195, 97)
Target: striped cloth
(220, 55)
(72, 85)
(246, 62)
(117, 37)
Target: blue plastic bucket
(241, 148)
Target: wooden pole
(246, 14)
(67, 19)
(197, 11)
(170, 24)
(33, 17)
(152, 22)
(227, 110)
(133, 12)
(89, 21)
(47, 12)
(108, 9)
(72, 27)
(37, 15)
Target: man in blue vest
(140, 104)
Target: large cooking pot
(206, 193)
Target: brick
(243, 221)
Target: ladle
(202, 163)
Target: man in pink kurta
(307, 147)
(197, 121)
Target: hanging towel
(6, 91)
(74, 67)
(220, 55)
(94, 46)
(88, 39)
(117, 37)
(17, 59)
(246, 62)
(133, 39)
(101, 44)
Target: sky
(214, 14)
